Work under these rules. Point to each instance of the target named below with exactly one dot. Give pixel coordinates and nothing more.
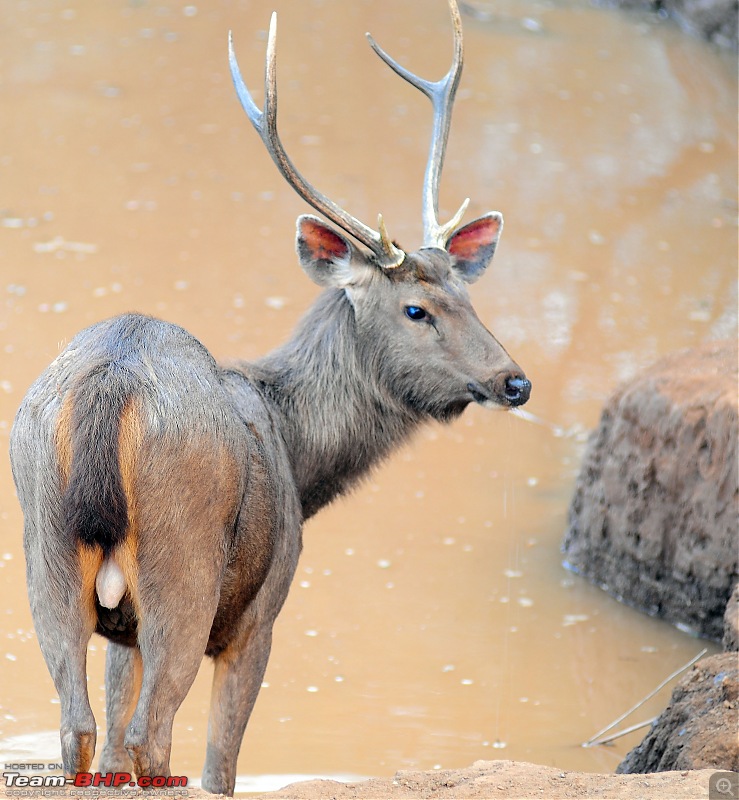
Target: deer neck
(336, 417)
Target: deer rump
(158, 469)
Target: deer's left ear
(326, 256)
(473, 245)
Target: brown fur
(63, 439)
(90, 560)
(130, 439)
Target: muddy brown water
(431, 621)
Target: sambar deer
(164, 494)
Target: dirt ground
(484, 779)
(510, 779)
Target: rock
(714, 20)
(731, 622)
(698, 729)
(653, 519)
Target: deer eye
(416, 313)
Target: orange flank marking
(63, 438)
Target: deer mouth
(479, 393)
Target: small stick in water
(593, 739)
(619, 734)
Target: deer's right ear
(326, 256)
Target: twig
(593, 739)
(614, 736)
(521, 413)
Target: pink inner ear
(323, 243)
(468, 241)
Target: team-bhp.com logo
(18, 783)
(116, 779)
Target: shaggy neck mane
(337, 418)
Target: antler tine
(441, 93)
(265, 124)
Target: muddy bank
(697, 730)
(493, 779)
(653, 519)
(714, 20)
(509, 779)
(731, 622)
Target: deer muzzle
(507, 389)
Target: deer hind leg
(180, 567)
(123, 671)
(266, 518)
(236, 682)
(60, 585)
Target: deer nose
(517, 390)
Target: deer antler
(265, 123)
(441, 93)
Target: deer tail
(94, 504)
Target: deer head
(414, 307)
